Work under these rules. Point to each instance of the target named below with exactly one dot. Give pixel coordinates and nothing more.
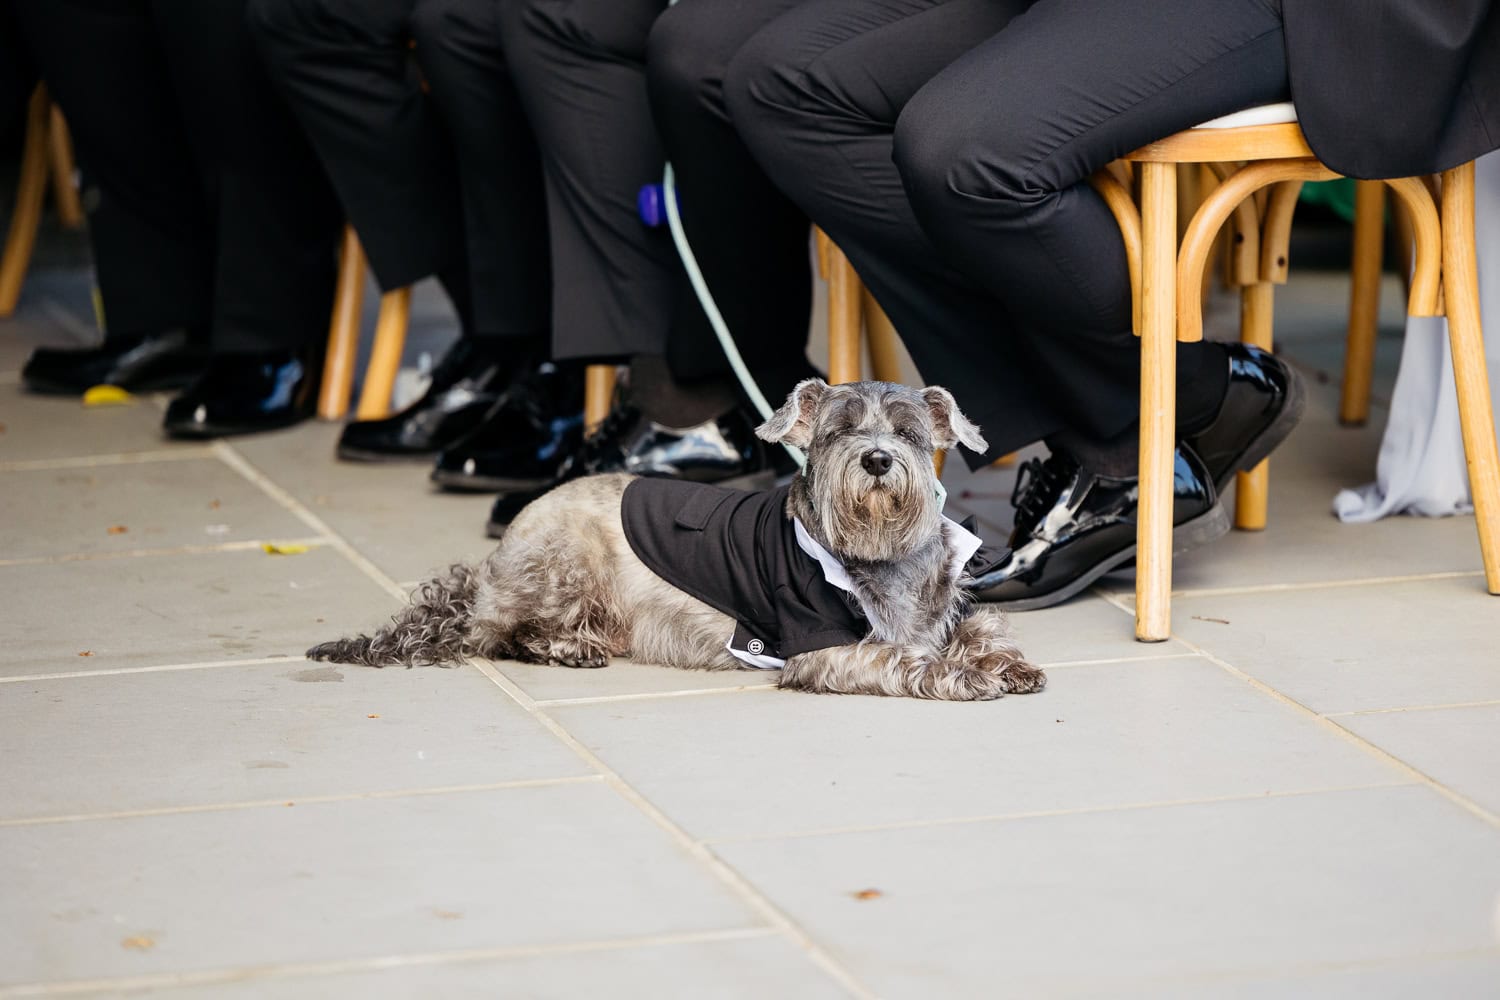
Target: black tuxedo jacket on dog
(738, 552)
(1395, 88)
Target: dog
(847, 578)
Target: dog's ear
(949, 425)
(794, 421)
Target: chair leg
(1470, 373)
(1364, 301)
(1153, 576)
(598, 394)
(27, 217)
(1253, 487)
(844, 319)
(343, 330)
(385, 355)
(64, 186)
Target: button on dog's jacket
(738, 552)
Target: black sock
(673, 403)
(1118, 457)
(1200, 393)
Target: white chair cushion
(1265, 114)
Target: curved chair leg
(1364, 301)
(1470, 374)
(598, 394)
(64, 186)
(27, 216)
(385, 355)
(844, 319)
(343, 330)
(1153, 577)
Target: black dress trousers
(207, 209)
(750, 240)
(1002, 269)
(411, 108)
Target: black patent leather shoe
(243, 394)
(137, 364)
(1264, 401)
(1073, 526)
(523, 440)
(724, 451)
(465, 387)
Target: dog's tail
(433, 628)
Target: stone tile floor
(1298, 795)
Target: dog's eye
(910, 435)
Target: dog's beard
(878, 520)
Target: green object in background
(1336, 195)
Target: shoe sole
(348, 454)
(1211, 524)
(762, 480)
(457, 482)
(43, 387)
(204, 432)
(1275, 432)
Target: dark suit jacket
(1395, 88)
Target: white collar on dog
(965, 544)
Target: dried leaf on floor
(213, 505)
(1216, 621)
(868, 894)
(141, 942)
(283, 548)
(87, 652)
(374, 716)
(107, 395)
(117, 529)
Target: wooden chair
(46, 153)
(1271, 160)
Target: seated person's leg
(579, 68)
(348, 72)
(815, 97)
(149, 225)
(520, 441)
(996, 152)
(750, 240)
(275, 222)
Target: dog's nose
(877, 462)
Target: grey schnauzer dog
(567, 584)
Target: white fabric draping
(1421, 465)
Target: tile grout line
(187, 453)
(695, 849)
(299, 970)
(1369, 581)
(1273, 588)
(923, 824)
(292, 658)
(1412, 708)
(715, 865)
(243, 545)
(229, 456)
(309, 800)
(1478, 811)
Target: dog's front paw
(963, 684)
(590, 662)
(1022, 678)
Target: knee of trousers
(434, 23)
(768, 97)
(615, 29)
(949, 168)
(681, 70)
(285, 28)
